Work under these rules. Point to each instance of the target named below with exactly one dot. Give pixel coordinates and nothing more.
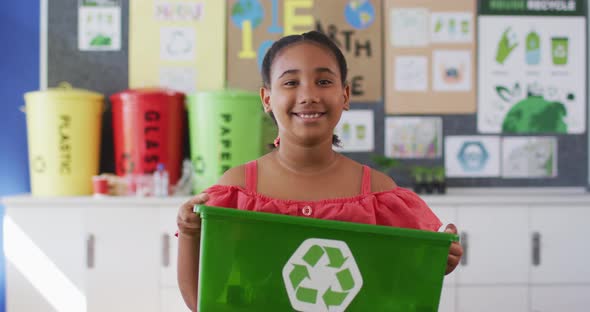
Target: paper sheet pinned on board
(472, 156)
(356, 131)
(413, 137)
(411, 73)
(99, 25)
(529, 157)
(410, 27)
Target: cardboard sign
(355, 26)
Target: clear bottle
(161, 181)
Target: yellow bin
(63, 129)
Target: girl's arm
(189, 235)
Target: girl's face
(306, 94)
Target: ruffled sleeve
(223, 196)
(401, 207)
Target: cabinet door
(492, 299)
(496, 245)
(44, 251)
(560, 252)
(123, 273)
(169, 247)
(560, 298)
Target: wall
(19, 73)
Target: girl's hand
(455, 252)
(189, 223)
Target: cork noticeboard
(430, 50)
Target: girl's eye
(290, 83)
(324, 82)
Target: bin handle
(64, 85)
(465, 243)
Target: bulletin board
(107, 72)
(430, 56)
(355, 26)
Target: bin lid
(63, 91)
(133, 95)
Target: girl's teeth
(310, 115)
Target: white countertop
(535, 196)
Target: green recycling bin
(225, 130)
(253, 261)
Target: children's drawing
(413, 137)
(529, 157)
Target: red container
(148, 128)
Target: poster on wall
(356, 131)
(472, 156)
(354, 25)
(532, 67)
(413, 137)
(429, 57)
(99, 25)
(529, 157)
(177, 45)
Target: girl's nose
(308, 95)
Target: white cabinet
(560, 248)
(124, 259)
(492, 299)
(45, 259)
(495, 239)
(522, 252)
(560, 298)
(93, 255)
(171, 299)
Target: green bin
(252, 261)
(225, 131)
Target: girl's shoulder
(235, 176)
(380, 182)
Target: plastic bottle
(533, 48)
(161, 181)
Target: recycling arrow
(298, 274)
(313, 255)
(322, 275)
(333, 298)
(335, 256)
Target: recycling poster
(176, 44)
(532, 67)
(354, 25)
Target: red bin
(148, 129)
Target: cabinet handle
(536, 248)
(90, 240)
(165, 250)
(465, 244)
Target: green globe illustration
(535, 115)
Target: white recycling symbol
(322, 276)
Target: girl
(305, 92)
